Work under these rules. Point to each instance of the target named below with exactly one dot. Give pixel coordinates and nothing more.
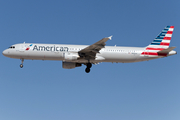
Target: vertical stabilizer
(163, 39)
(161, 42)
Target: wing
(90, 51)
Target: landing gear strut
(21, 65)
(89, 65)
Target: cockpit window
(12, 47)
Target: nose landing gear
(21, 65)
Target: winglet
(110, 37)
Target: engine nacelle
(70, 65)
(70, 56)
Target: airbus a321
(73, 56)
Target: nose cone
(5, 52)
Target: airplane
(73, 56)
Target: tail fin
(163, 40)
(160, 45)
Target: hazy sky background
(43, 90)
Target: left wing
(90, 51)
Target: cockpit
(12, 47)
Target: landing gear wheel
(87, 70)
(21, 65)
(89, 65)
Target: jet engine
(70, 65)
(70, 56)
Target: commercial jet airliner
(75, 55)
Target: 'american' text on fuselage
(50, 48)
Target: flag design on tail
(161, 42)
(163, 39)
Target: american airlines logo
(29, 47)
(50, 48)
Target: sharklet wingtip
(110, 37)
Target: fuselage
(117, 54)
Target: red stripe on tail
(163, 43)
(169, 32)
(167, 38)
(154, 48)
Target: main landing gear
(89, 65)
(21, 65)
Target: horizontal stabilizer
(167, 50)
